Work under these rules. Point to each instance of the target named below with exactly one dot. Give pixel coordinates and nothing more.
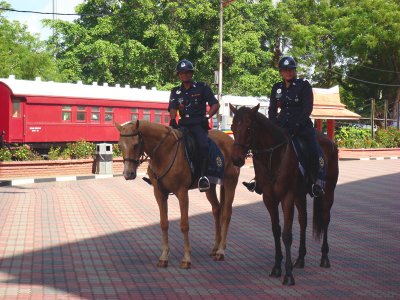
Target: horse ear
(118, 126)
(255, 108)
(137, 124)
(232, 108)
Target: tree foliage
(23, 54)
(354, 43)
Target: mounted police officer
(294, 97)
(191, 99)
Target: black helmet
(287, 62)
(184, 65)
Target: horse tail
(318, 222)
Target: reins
(144, 156)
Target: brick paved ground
(100, 239)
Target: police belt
(187, 116)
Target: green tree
(23, 54)
(367, 35)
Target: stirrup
(204, 184)
(317, 190)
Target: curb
(22, 181)
(369, 158)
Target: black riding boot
(252, 186)
(204, 183)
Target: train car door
(17, 121)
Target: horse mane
(277, 132)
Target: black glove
(205, 123)
(173, 124)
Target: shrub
(352, 137)
(5, 154)
(24, 153)
(81, 149)
(116, 151)
(389, 138)
(54, 153)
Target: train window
(134, 114)
(108, 116)
(95, 115)
(146, 114)
(66, 113)
(166, 119)
(81, 113)
(16, 109)
(157, 116)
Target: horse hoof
(299, 264)
(288, 280)
(186, 265)
(219, 257)
(325, 262)
(276, 272)
(162, 263)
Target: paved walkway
(100, 239)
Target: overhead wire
(365, 81)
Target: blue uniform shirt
(194, 102)
(296, 104)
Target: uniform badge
(183, 64)
(286, 62)
(178, 92)
(279, 91)
(218, 160)
(321, 162)
(296, 99)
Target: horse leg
(301, 206)
(164, 224)
(183, 198)
(227, 195)
(326, 217)
(287, 237)
(272, 207)
(213, 199)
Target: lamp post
(221, 30)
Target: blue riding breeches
(201, 136)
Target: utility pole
(372, 118)
(221, 30)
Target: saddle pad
(217, 163)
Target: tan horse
(169, 172)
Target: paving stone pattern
(100, 239)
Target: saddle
(215, 172)
(310, 167)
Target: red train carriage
(44, 113)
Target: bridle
(143, 157)
(250, 146)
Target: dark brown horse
(169, 172)
(277, 173)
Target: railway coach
(48, 113)
(44, 114)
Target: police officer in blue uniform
(191, 99)
(294, 97)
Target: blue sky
(33, 20)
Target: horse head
(243, 132)
(132, 147)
